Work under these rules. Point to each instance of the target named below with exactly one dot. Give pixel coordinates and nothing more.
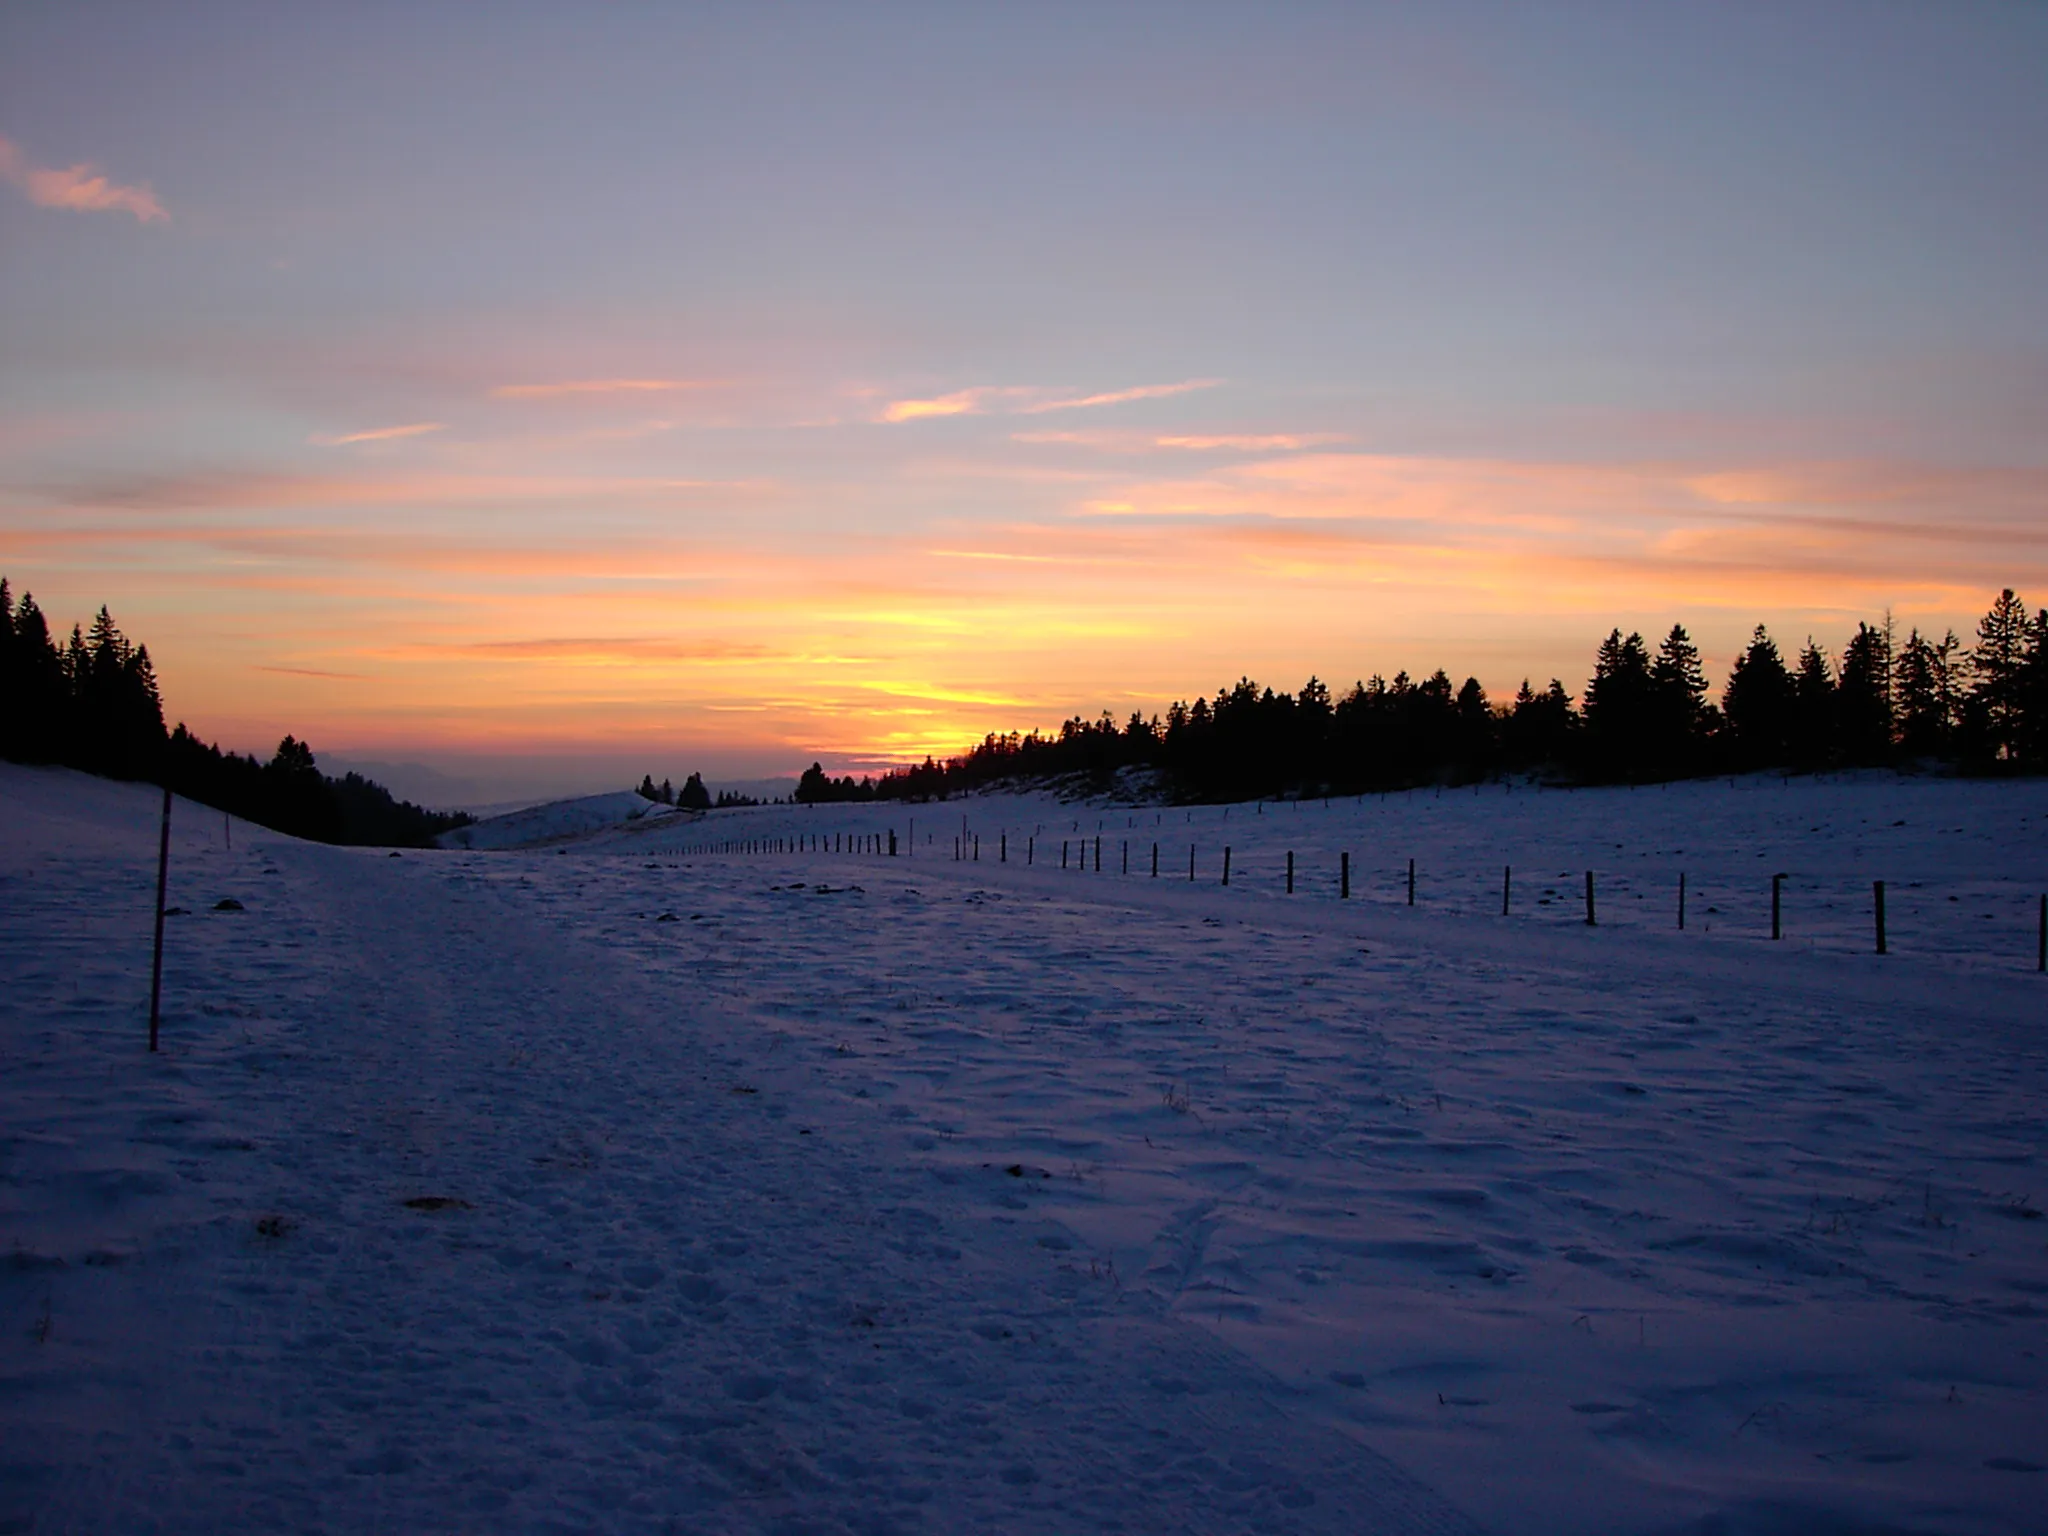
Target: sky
(542, 393)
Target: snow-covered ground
(826, 1191)
(558, 820)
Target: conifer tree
(1863, 698)
(1813, 708)
(1619, 714)
(2033, 695)
(1925, 688)
(1679, 688)
(1758, 703)
(1997, 664)
(694, 796)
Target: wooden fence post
(1155, 861)
(1681, 899)
(1776, 882)
(1290, 870)
(1590, 920)
(1411, 882)
(1877, 895)
(1127, 855)
(1507, 881)
(1226, 863)
(1344, 876)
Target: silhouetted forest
(1647, 715)
(93, 703)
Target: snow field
(849, 1193)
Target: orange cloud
(381, 434)
(81, 188)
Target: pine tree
(43, 703)
(1863, 697)
(695, 797)
(1925, 687)
(1996, 665)
(1620, 714)
(1813, 708)
(2033, 695)
(1758, 703)
(1678, 685)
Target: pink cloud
(81, 188)
(1119, 396)
(382, 434)
(592, 387)
(1027, 400)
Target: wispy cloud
(1150, 442)
(964, 402)
(381, 434)
(81, 188)
(593, 387)
(1027, 400)
(1253, 442)
(1119, 396)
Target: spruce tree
(1997, 664)
(1619, 710)
(1679, 688)
(1863, 698)
(1813, 708)
(1758, 703)
(1924, 686)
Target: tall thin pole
(1507, 882)
(156, 964)
(1681, 898)
(1344, 875)
(1877, 893)
(1590, 921)
(1776, 882)
(1411, 882)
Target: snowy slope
(533, 825)
(824, 1191)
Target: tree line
(93, 703)
(1647, 715)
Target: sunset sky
(543, 393)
